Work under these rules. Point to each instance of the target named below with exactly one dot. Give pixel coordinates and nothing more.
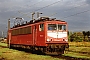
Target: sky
(75, 12)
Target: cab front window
(61, 27)
(52, 27)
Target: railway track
(69, 58)
(54, 56)
(80, 52)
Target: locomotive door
(34, 35)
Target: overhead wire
(35, 4)
(65, 10)
(24, 14)
(48, 5)
(77, 14)
(30, 6)
(44, 6)
(68, 9)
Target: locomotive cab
(57, 38)
(57, 32)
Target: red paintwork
(22, 39)
(37, 38)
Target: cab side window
(41, 27)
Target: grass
(77, 55)
(80, 49)
(76, 49)
(79, 44)
(3, 44)
(11, 54)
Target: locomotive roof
(41, 19)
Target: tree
(69, 35)
(88, 35)
(76, 36)
(84, 33)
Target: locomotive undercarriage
(50, 49)
(57, 48)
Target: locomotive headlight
(66, 40)
(48, 40)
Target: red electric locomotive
(44, 34)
